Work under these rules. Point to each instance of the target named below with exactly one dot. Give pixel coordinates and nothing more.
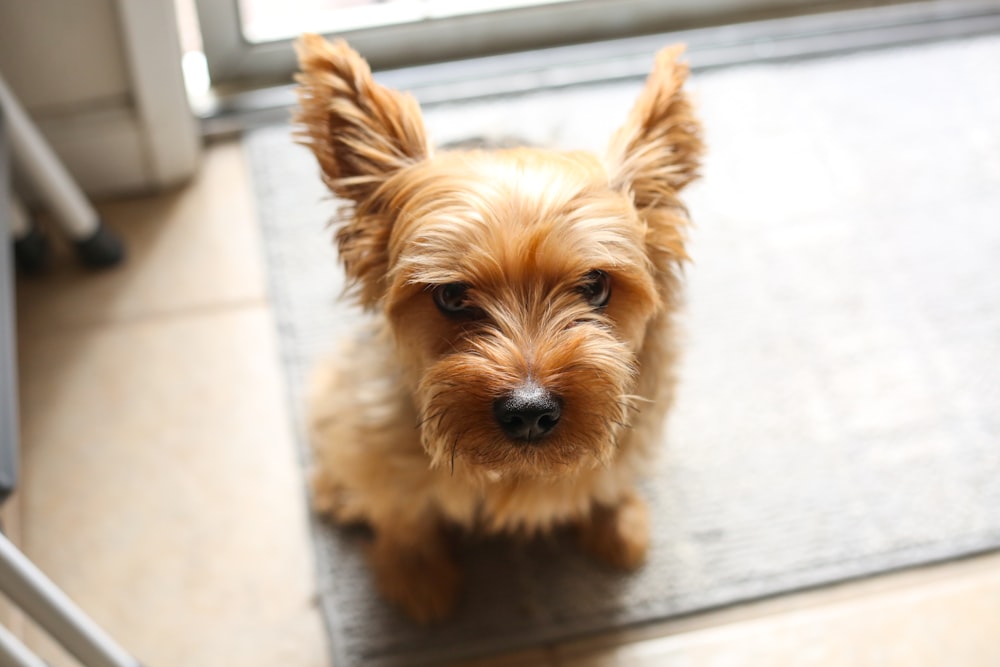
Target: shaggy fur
(402, 423)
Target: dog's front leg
(617, 534)
(414, 568)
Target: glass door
(249, 41)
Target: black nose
(527, 413)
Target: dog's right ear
(361, 134)
(654, 155)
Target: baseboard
(102, 148)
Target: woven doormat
(839, 409)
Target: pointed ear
(656, 153)
(659, 146)
(361, 133)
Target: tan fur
(401, 421)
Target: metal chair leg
(96, 245)
(43, 601)
(15, 654)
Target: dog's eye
(453, 299)
(596, 288)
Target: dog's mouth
(529, 433)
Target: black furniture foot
(101, 249)
(31, 251)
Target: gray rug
(839, 412)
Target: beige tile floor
(161, 488)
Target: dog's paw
(422, 580)
(333, 501)
(618, 535)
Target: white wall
(74, 66)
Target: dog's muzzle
(528, 413)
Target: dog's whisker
(600, 461)
(454, 447)
(437, 395)
(437, 415)
(422, 421)
(636, 397)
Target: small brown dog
(520, 361)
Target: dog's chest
(523, 505)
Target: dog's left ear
(361, 133)
(656, 153)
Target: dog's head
(519, 284)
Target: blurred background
(150, 449)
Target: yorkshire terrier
(521, 355)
